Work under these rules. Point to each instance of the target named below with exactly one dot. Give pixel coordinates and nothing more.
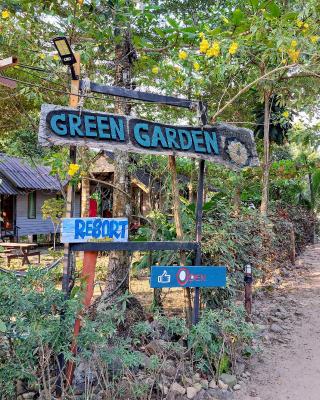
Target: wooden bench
(20, 250)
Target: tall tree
(117, 279)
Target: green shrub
(32, 333)
(218, 337)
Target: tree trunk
(266, 155)
(179, 230)
(117, 279)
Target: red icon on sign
(184, 276)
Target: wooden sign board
(220, 143)
(196, 276)
(79, 230)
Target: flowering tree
(231, 54)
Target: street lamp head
(64, 49)
(248, 269)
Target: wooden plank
(80, 230)
(8, 82)
(137, 95)
(133, 246)
(220, 143)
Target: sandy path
(291, 370)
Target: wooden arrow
(8, 62)
(8, 82)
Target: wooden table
(25, 251)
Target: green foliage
(217, 338)
(22, 143)
(53, 209)
(30, 311)
(280, 121)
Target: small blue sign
(75, 230)
(170, 277)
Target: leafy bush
(32, 333)
(219, 337)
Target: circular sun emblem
(237, 152)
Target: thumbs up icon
(164, 278)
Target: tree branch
(247, 87)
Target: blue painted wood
(79, 230)
(195, 276)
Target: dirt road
(289, 366)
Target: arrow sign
(170, 277)
(8, 82)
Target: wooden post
(87, 275)
(248, 291)
(293, 245)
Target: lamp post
(66, 54)
(73, 61)
(248, 290)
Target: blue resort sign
(79, 230)
(221, 143)
(172, 277)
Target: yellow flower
(42, 56)
(56, 57)
(294, 44)
(204, 45)
(314, 39)
(73, 169)
(233, 48)
(183, 55)
(294, 55)
(285, 114)
(196, 66)
(305, 26)
(201, 35)
(5, 14)
(155, 70)
(299, 23)
(214, 50)
(225, 20)
(80, 2)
